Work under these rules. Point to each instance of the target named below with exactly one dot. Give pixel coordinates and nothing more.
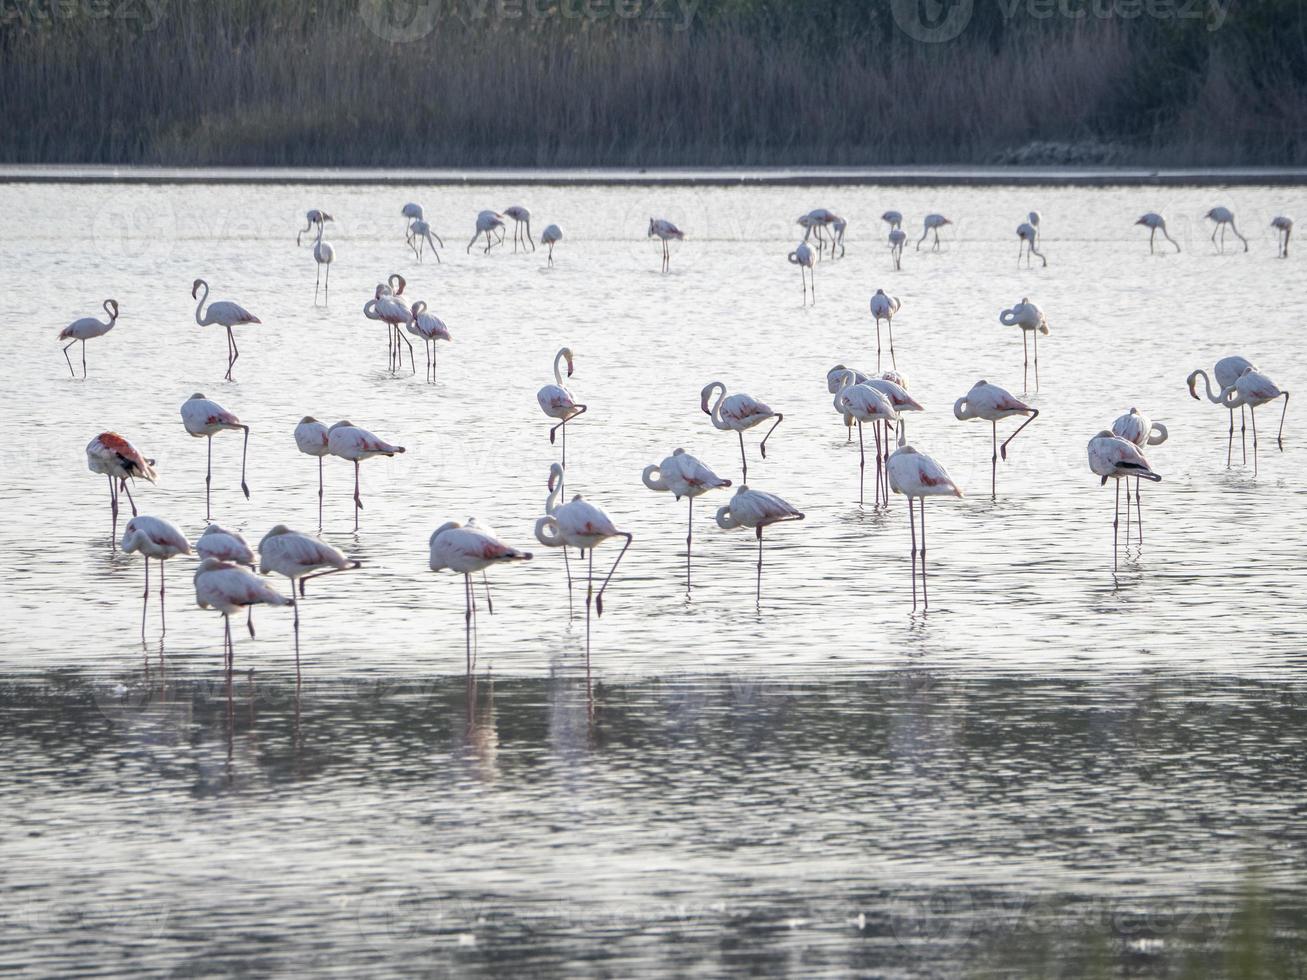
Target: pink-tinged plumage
(835, 377)
(736, 413)
(664, 230)
(756, 509)
(470, 547)
(1139, 429)
(989, 402)
(311, 437)
(349, 441)
(914, 474)
(682, 475)
(896, 393)
(154, 537)
(555, 400)
(1111, 457)
(229, 588)
(203, 417)
(87, 328)
(224, 545)
(111, 454)
(224, 313)
(1254, 389)
(295, 554)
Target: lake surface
(1060, 770)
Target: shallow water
(1053, 750)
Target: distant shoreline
(664, 177)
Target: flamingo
(991, 403)
(665, 230)
(914, 474)
(153, 537)
(838, 227)
(683, 475)
(1253, 389)
(394, 286)
(884, 308)
(738, 412)
(420, 235)
(468, 548)
(323, 254)
(1141, 431)
(551, 236)
(897, 236)
(87, 328)
(1284, 228)
(1227, 371)
(1154, 222)
(487, 223)
(391, 307)
(411, 212)
(1116, 458)
(894, 386)
(205, 418)
(315, 216)
(429, 327)
(863, 403)
(1026, 235)
(802, 257)
(893, 218)
(229, 546)
(349, 441)
(1033, 219)
(1223, 217)
(311, 439)
(933, 222)
(1030, 318)
(557, 402)
(115, 457)
(229, 588)
(756, 509)
(823, 219)
(224, 313)
(810, 223)
(299, 557)
(834, 380)
(520, 216)
(581, 524)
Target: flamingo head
(113, 314)
(555, 474)
(196, 397)
(567, 356)
(419, 307)
(397, 283)
(307, 420)
(195, 287)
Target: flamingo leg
(1252, 411)
(925, 599)
(1034, 414)
(1139, 511)
(163, 605)
(319, 493)
(762, 447)
(912, 524)
(358, 502)
(589, 598)
(993, 463)
(877, 343)
(893, 360)
(1127, 513)
(1036, 335)
(245, 489)
(145, 606)
(235, 354)
(1151, 236)
(689, 541)
(317, 282)
(129, 496)
(1283, 412)
(84, 359)
(875, 430)
(1243, 436)
(743, 461)
(113, 511)
(757, 599)
(528, 240)
(71, 372)
(326, 287)
(1229, 446)
(1116, 521)
(208, 476)
(228, 652)
(297, 630)
(1025, 364)
(599, 599)
(490, 606)
(467, 619)
(862, 465)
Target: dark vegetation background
(751, 82)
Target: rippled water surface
(1060, 770)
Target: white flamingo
(557, 402)
(918, 476)
(224, 313)
(1284, 228)
(683, 475)
(1111, 457)
(863, 403)
(993, 403)
(115, 457)
(324, 253)
(87, 328)
(756, 509)
(897, 237)
(420, 235)
(520, 216)
(1030, 318)
(1227, 371)
(229, 589)
(551, 236)
(488, 222)
(348, 441)
(893, 218)
(430, 328)
(468, 548)
(1255, 389)
(736, 413)
(153, 537)
(204, 418)
(885, 308)
(802, 257)
(1026, 236)
(311, 440)
(315, 216)
(1033, 219)
(299, 557)
(391, 307)
(664, 230)
(1154, 222)
(411, 212)
(1223, 217)
(932, 223)
(229, 546)
(1142, 431)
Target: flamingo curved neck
(558, 374)
(651, 481)
(1207, 383)
(715, 413)
(204, 296)
(546, 531)
(962, 410)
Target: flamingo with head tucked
(683, 475)
(802, 257)
(756, 509)
(1154, 222)
(311, 440)
(349, 441)
(299, 557)
(551, 236)
(1223, 217)
(87, 328)
(205, 418)
(115, 457)
(1227, 371)
(1030, 318)
(153, 537)
(229, 589)
(885, 308)
(1142, 431)
(1111, 457)
(992, 403)
(224, 313)
(918, 476)
(736, 413)
(1255, 389)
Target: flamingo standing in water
(315, 216)
(893, 218)
(349, 441)
(863, 403)
(1030, 318)
(224, 313)
(916, 475)
(87, 328)
(1026, 236)
(488, 222)
(557, 402)
(391, 307)
(420, 236)
(834, 381)
(1142, 431)
(153, 537)
(663, 229)
(430, 328)
(1223, 217)
(581, 524)
(115, 457)
(1228, 370)
(933, 223)
(323, 254)
(229, 589)
(894, 386)
(838, 227)
(802, 257)
(885, 308)
(897, 236)
(683, 475)
(1154, 222)
(736, 413)
(1033, 219)
(311, 440)
(205, 418)
(1116, 458)
(1253, 389)
(468, 548)
(520, 216)
(755, 509)
(229, 546)
(411, 212)
(992, 403)
(1284, 228)
(299, 557)
(551, 236)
